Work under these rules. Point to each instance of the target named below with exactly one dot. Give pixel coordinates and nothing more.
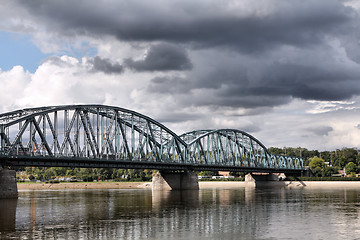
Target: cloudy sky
(287, 72)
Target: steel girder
(232, 147)
(113, 134)
(88, 131)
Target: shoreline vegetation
(340, 165)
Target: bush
(136, 180)
(87, 178)
(222, 180)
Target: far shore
(202, 185)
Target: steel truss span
(106, 136)
(235, 148)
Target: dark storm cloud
(265, 53)
(253, 128)
(174, 117)
(239, 85)
(321, 131)
(162, 57)
(203, 24)
(105, 65)
(303, 80)
(169, 85)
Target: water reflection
(165, 199)
(7, 214)
(251, 213)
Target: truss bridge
(107, 136)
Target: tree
(206, 173)
(60, 171)
(317, 172)
(317, 166)
(49, 173)
(350, 168)
(316, 162)
(31, 178)
(329, 171)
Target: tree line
(325, 163)
(85, 174)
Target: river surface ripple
(242, 213)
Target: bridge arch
(88, 131)
(233, 148)
(229, 147)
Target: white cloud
(292, 80)
(72, 83)
(12, 87)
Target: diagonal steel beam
(67, 135)
(18, 136)
(125, 139)
(43, 138)
(52, 129)
(86, 124)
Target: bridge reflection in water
(136, 214)
(247, 213)
(7, 214)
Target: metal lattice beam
(103, 135)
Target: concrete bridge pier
(165, 180)
(265, 180)
(8, 187)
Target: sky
(287, 72)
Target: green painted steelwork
(98, 135)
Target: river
(243, 213)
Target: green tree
(326, 155)
(329, 171)
(317, 166)
(207, 173)
(60, 171)
(317, 171)
(350, 168)
(316, 162)
(29, 170)
(49, 173)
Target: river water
(243, 213)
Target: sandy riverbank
(324, 184)
(83, 185)
(287, 184)
(202, 185)
(116, 185)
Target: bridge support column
(175, 181)
(266, 180)
(8, 187)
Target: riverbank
(202, 185)
(116, 185)
(83, 185)
(323, 184)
